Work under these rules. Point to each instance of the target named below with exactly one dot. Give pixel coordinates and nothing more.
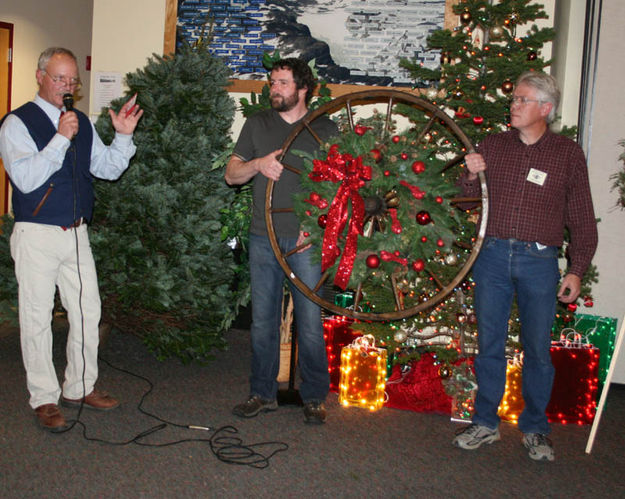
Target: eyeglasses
(522, 100)
(64, 80)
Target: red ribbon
(393, 257)
(414, 189)
(352, 174)
(395, 223)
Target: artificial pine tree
(165, 274)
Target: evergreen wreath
(379, 209)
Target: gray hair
(50, 52)
(546, 86)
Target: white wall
(126, 34)
(38, 25)
(607, 129)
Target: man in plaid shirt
(537, 185)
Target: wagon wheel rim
(348, 101)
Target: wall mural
(352, 41)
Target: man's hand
(570, 288)
(301, 239)
(475, 164)
(269, 165)
(68, 125)
(126, 120)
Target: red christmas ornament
(314, 197)
(418, 167)
(308, 212)
(373, 261)
(423, 218)
(440, 243)
(404, 155)
(572, 307)
(439, 200)
(424, 239)
(588, 301)
(418, 265)
(306, 234)
(387, 173)
(395, 139)
(478, 120)
(507, 86)
(377, 155)
(361, 130)
(322, 221)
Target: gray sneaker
(539, 446)
(253, 406)
(314, 413)
(474, 435)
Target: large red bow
(352, 174)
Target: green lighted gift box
(600, 331)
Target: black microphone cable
(224, 443)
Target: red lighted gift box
(337, 333)
(574, 393)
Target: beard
(284, 104)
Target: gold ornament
(496, 32)
(507, 86)
(466, 17)
(451, 259)
(444, 371)
(392, 199)
(400, 336)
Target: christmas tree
(481, 59)
(165, 273)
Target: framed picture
(355, 43)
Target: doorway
(6, 65)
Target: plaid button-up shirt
(537, 190)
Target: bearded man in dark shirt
(256, 158)
(537, 185)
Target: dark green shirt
(263, 133)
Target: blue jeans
(503, 267)
(267, 278)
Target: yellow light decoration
(363, 374)
(512, 403)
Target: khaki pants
(47, 256)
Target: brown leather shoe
(100, 401)
(50, 417)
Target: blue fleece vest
(68, 194)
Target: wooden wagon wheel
(436, 119)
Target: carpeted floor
(389, 453)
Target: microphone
(68, 102)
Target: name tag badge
(536, 177)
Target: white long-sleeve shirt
(29, 168)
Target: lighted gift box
(363, 374)
(337, 333)
(575, 384)
(512, 404)
(600, 331)
(574, 394)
